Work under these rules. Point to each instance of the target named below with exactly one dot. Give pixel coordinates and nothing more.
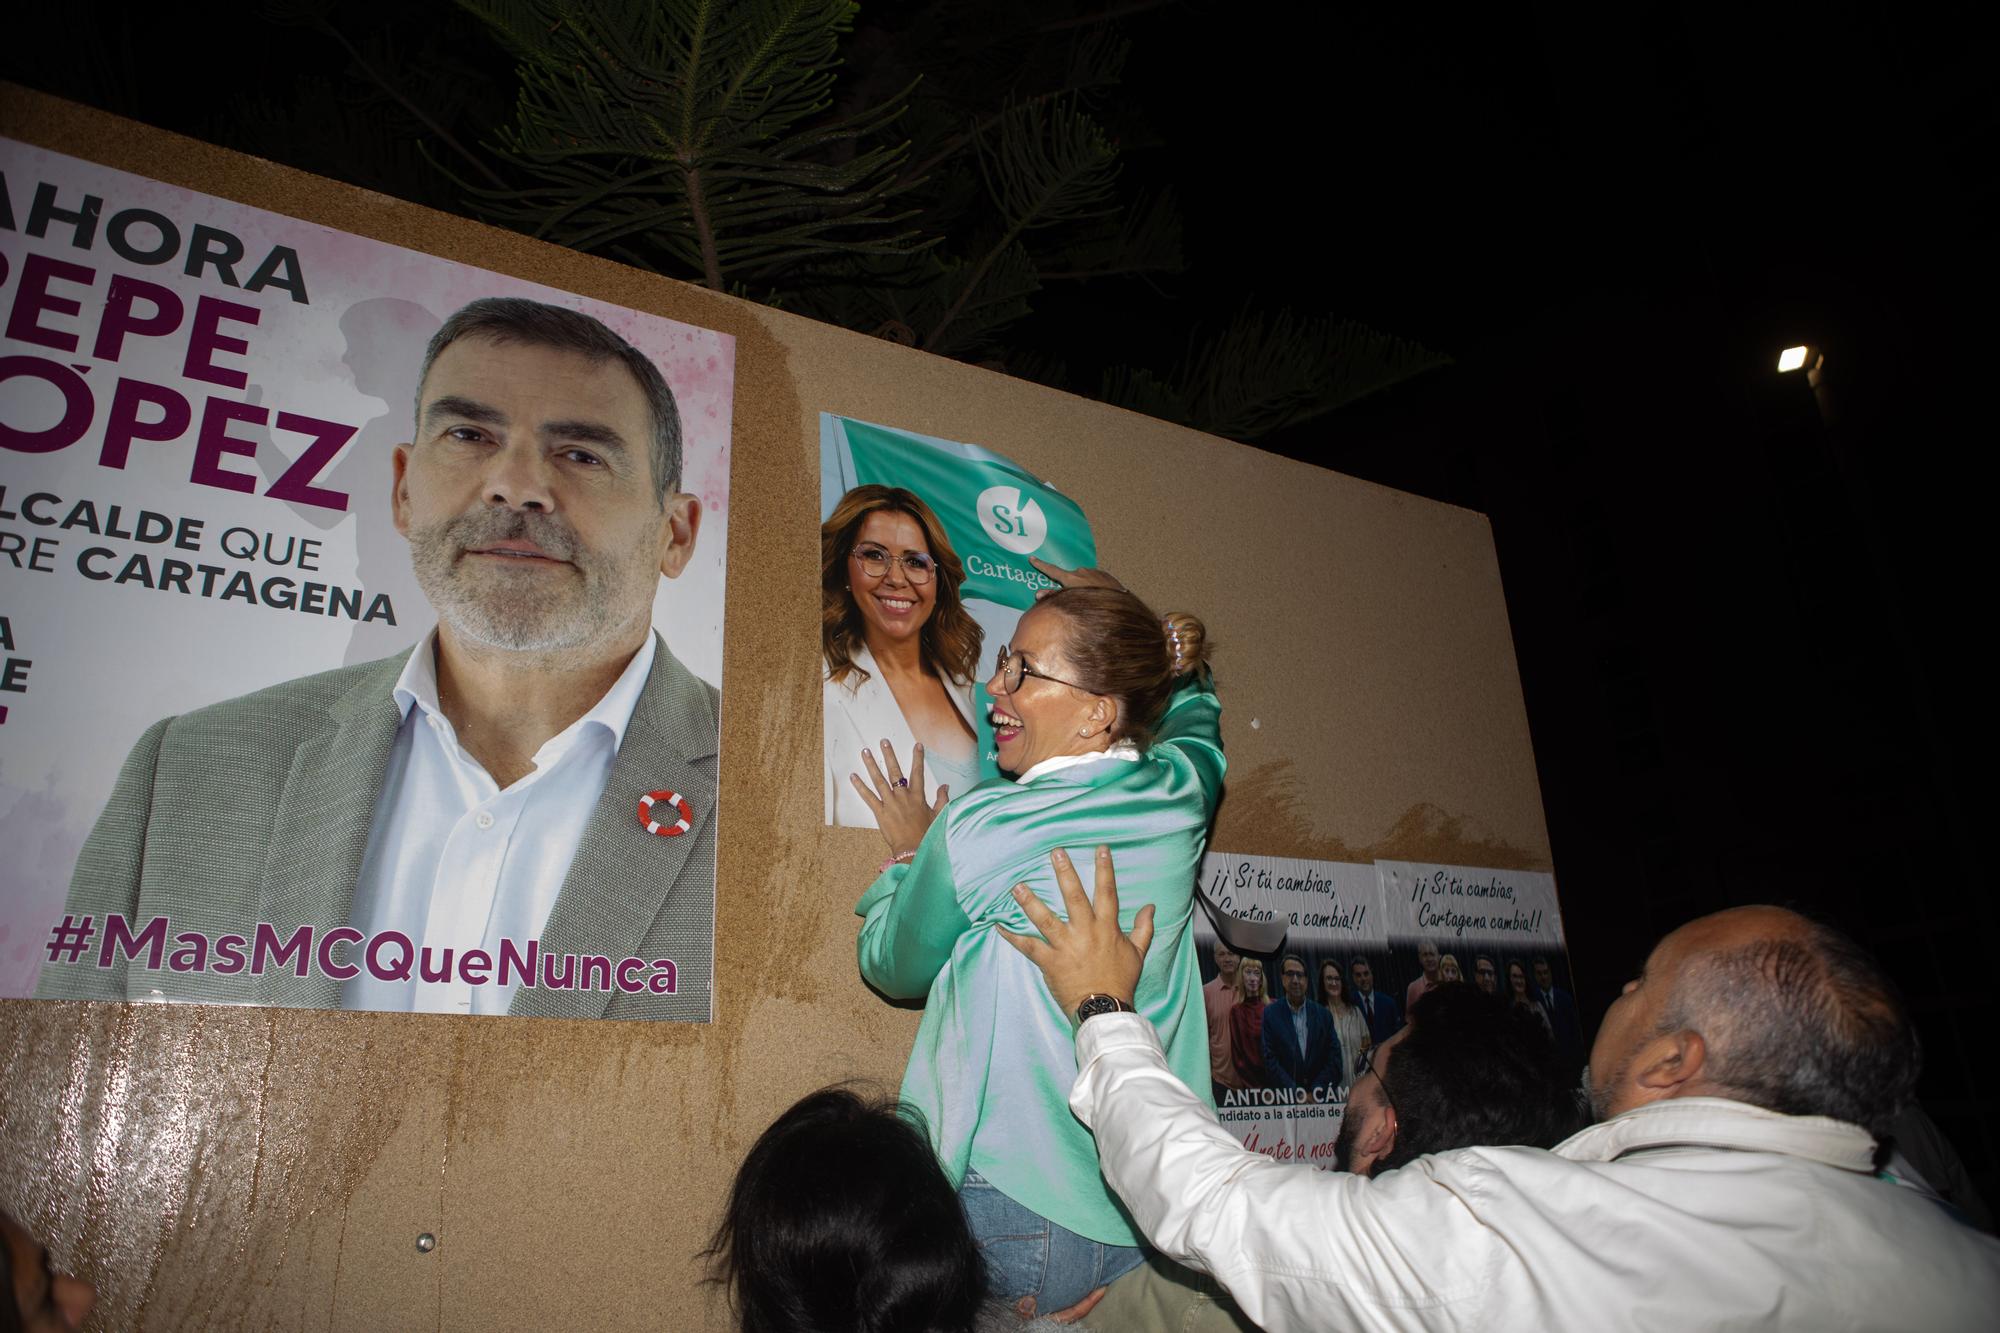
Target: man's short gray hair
(515, 319)
(1805, 1025)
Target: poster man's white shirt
(456, 863)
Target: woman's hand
(898, 801)
(1073, 578)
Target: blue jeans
(1028, 1255)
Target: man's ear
(680, 525)
(1670, 1065)
(1379, 1133)
(399, 487)
(1375, 1140)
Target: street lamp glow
(1791, 359)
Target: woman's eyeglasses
(1011, 667)
(875, 562)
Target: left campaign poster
(228, 766)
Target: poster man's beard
(547, 610)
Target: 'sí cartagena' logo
(1020, 528)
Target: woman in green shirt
(1105, 715)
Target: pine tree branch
(691, 82)
(711, 263)
(1102, 16)
(755, 64)
(981, 126)
(424, 117)
(1042, 172)
(978, 275)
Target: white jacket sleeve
(1298, 1248)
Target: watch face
(1094, 1005)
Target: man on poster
(1378, 1007)
(1485, 975)
(476, 796)
(1301, 1049)
(1560, 1009)
(1428, 960)
(1218, 997)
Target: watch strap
(1099, 1003)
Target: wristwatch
(1093, 1005)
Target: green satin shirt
(994, 1057)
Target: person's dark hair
(1806, 1025)
(950, 638)
(10, 1308)
(841, 1219)
(515, 319)
(1114, 645)
(1473, 1070)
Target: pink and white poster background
(292, 350)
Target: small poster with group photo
(1293, 1011)
(1498, 930)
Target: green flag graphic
(996, 513)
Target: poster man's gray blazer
(258, 809)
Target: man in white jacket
(1730, 1184)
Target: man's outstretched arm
(1297, 1248)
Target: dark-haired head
(1116, 646)
(840, 1219)
(515, 320)
(37, 1297)
(1473, 1070)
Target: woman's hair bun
(1187, 642)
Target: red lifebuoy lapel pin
(676, 803)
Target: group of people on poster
(1305, 1038)
(1529, 985)
(1312, 1032)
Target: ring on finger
(900, 782)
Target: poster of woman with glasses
(928, 552)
